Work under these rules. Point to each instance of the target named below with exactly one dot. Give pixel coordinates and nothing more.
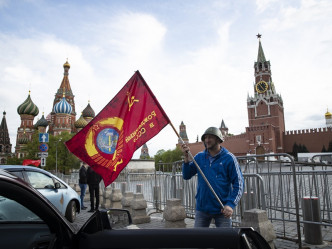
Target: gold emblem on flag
(104, 142)
(131, 100)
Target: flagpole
(199, 169)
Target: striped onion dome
(88, 112)
(81, 122)
(23, 139)
(41, 122)
(28, 107)
(62, 107)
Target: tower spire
(260, 56)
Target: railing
(273, 182)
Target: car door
(45, 185)
(27, 220)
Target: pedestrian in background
(83, 182)
(223, 172)
(93, 182)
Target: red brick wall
(313, 139)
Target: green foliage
(14, 161)
(299, 149)
(59, 157)
(329, 149)
(168, 156)
(32, 147)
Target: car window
(12, 211)
(18, 174)
(40, 180)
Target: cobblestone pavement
(158, 222)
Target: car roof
(6, 167)
(29, 168)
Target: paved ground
(158, 222)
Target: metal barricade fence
(273, 182)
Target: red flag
(130, 119)
(33, 162)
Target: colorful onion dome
(41, 122)
(62, 107)
(23, 139)
(81, 122)
(88, 112)
(28, 107)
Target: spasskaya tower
(265, 110)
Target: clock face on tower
(261, 86)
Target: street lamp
(56, 156)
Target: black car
(29, 220)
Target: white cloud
(200, 67)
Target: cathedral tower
(88, 113)
(144, 152)
(80, 123)
(328, 119)
(223, 128)
(5, 145)
(183, 133)
(62, 117)
(265, 110)
(64, 91)
(41, 124)
(27, 111)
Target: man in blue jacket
(223, 172)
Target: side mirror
(107, 219)
(57, 185)
(119, 218)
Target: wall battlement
(308, 131)
(258, 128)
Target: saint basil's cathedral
(61, 119)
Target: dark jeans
(94, 192)
(204, 219)
(83, 189)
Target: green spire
(260, 56)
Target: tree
(329, 149)
(295, 150)
(168, 156)
(59, 157)
(14, 161)
(32, 147)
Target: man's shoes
(83, 208)
(91, 210)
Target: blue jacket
(224, 175)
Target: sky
(197, 56)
